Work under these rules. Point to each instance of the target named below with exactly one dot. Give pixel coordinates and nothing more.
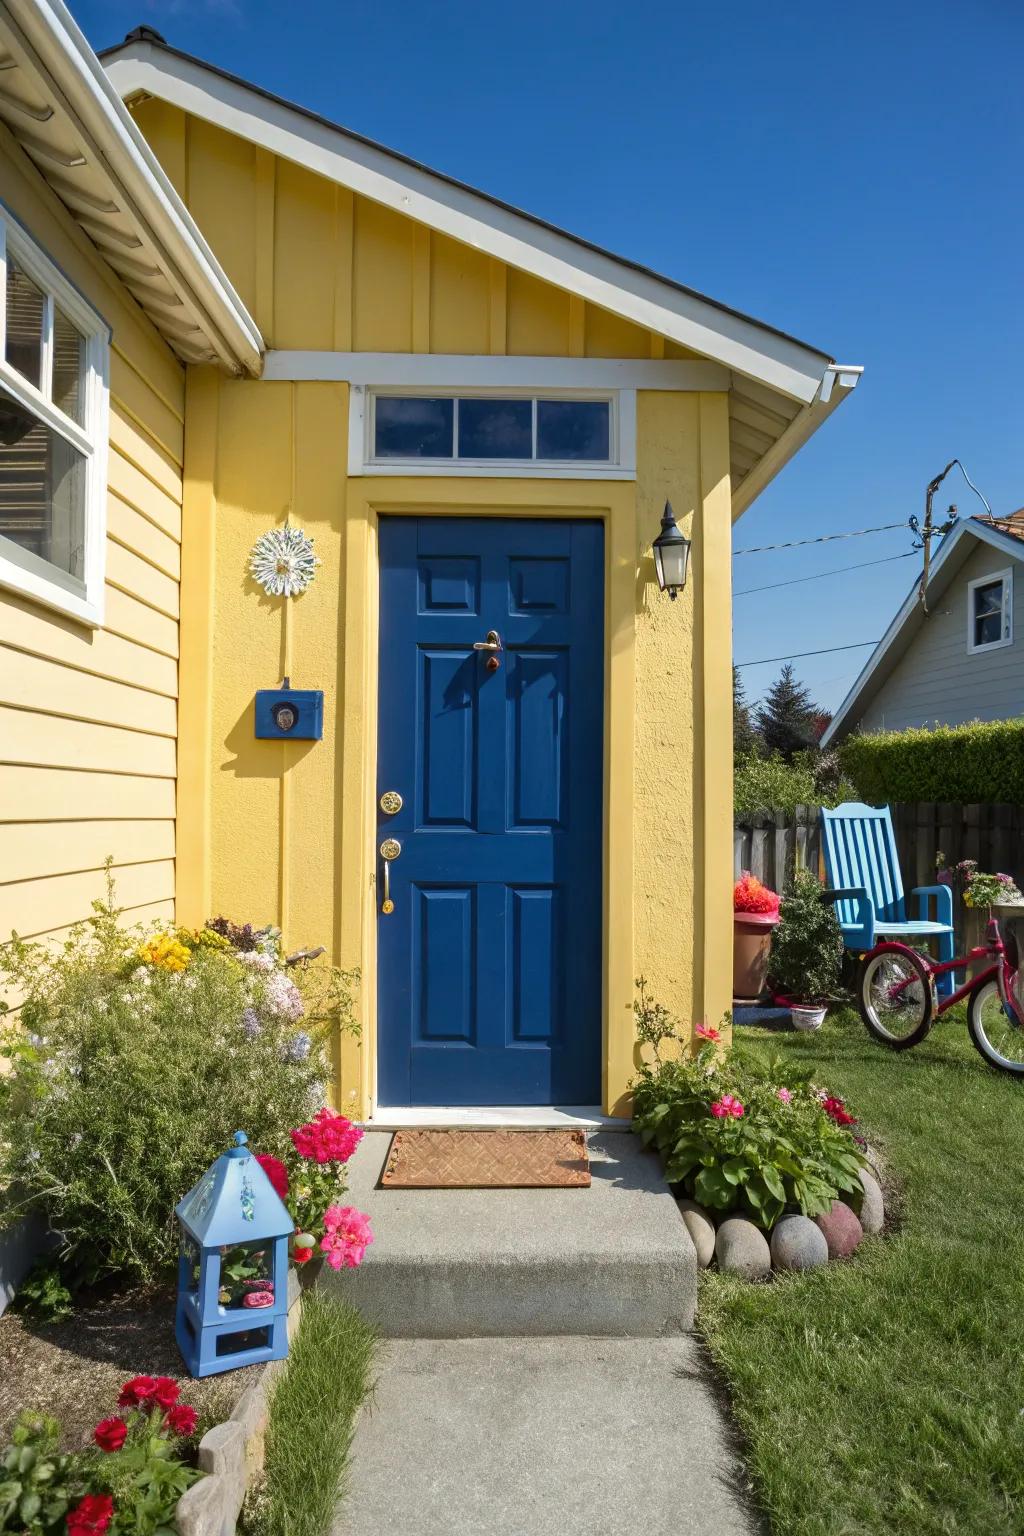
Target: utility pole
(926, 530)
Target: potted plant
(807, 952)
(755, 914)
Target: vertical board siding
(88, 716)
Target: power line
(836, 571)
(798, 655)
(824, 538)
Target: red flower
(165, 1391)
(275, 1171)
(92, 1516)
(137, 1392)
(182, 1419)
(749, 895)
(706, 1032)
(110, 1434)
(837, 1111)
(302, 1255)
(329, 1138)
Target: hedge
(966, 764)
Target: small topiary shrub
(807, 946)
(977, 764)
(134, 1058)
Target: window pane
(988, 613)
(495, 429)
(24, 324)
(573, 429)
(68, 367)
(42, 490)
(413, 427)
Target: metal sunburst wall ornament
(283, 562)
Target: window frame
(620, 465)
(1006, 637)
(22, 571)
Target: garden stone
(222, 1456)
(200, 1511)
(872, 1211)
(701, 1229)
(841, 1230)
(798, 1244)
(742, 1249)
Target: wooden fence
(772, 846)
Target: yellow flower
(164, 952)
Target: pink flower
(258, 1299)
(347, 1236)
(276, 1172)
(705, 1032)
(727, 1107)
(328, 1138)
(785, 1095)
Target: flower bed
(769, 1169)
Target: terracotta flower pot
(751, 945)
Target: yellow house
(517, 797)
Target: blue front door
(489, 966)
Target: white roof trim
(742, 344)
(838, 381)
(1005, 543)
(50, 44)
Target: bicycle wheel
(895, 996)
(997, 1032)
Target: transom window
(53, 425)
(488, 429)
(990, 611)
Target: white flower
(257, 959)
(283, 997)
(283, 562)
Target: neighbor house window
(489, 429)
(53, 427)
(990, 611)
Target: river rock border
(795, 1243)
(232, 1453)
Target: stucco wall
(936, 681)
(87, 716)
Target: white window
(496, 431)
(990, 612)
(53, 432)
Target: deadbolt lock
(391, 802)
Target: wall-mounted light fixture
(671, 554)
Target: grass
(886, 1393)
(312, 1414)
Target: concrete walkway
(543, 1437)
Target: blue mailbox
(233, 1267)
(295, 714)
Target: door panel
(490, 965)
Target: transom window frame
(21, 570)
(1006, 637)
(620, 464)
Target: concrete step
(614, 1259)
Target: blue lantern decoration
(232, 1267)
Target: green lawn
(886, 1393)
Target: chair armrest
(860, 934)
(943, 902)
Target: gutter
(837, 382)
(59, 52)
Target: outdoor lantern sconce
(671, 551)
(233, 1267)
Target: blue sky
(850, 174)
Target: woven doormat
(487, 1160)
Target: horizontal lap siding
(88, 717)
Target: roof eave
(838, 381)
(59, 52)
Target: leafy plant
(654, 1023)
(738, 1140)
(765, 784)
(807, 946)
(42, 1295)
(37, 1482)
(978, 763)
(131, 1067)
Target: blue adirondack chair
(864, 882)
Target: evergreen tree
(744, 736)
(787, 716)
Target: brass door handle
(390, 848)
(492, 643)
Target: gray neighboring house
(965, 660)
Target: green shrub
(135, 1059)
(732, 1143)
(807, 946)
(765, 784)
(977, 764)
